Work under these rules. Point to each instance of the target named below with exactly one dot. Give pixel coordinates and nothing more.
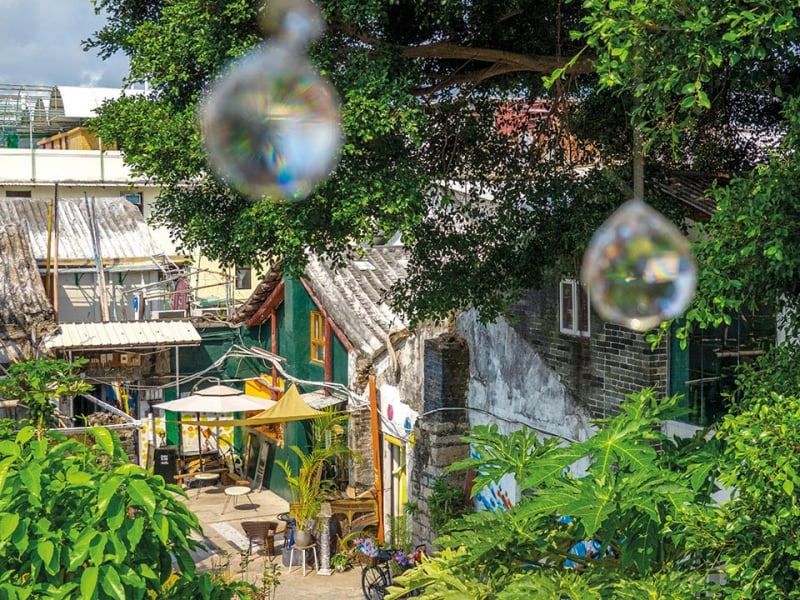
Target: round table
(235, 491)
(201, 477)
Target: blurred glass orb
(295, 22)
(639, 268)
(271, 125)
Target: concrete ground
(224, 539)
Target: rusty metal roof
(122, 234)
(120, 335)
(25, 311)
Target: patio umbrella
(218, 399)
(290, 407)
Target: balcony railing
(20, 165)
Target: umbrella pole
(199, 442)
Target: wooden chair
(262, 533)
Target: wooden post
(376, 453)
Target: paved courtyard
(225, 538)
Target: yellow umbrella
(290, 407)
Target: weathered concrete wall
(511, 384)
(403, 369)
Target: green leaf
(104, 439)
(89, 582)
(45, 550)
(9, 448)
(8, 525)
(141, 494)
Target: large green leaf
(89, 582)
(8, 524)
(141, 495)
(110, 582)
(104, 439)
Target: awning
(122, 335)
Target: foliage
(425, 88)
(341, 561)
(752, 537)
(636, 502)
(445, 503)
(78, 520)
(38, 384)
(305, 480)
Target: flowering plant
(367, 546)
(403, 560)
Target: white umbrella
(215, 399)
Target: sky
(40, 44)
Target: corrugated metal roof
(25, 311)
(123, 235)
(353, 295)
(119, 335)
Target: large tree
(438, 92)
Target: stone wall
(437, 435)
(128, 438)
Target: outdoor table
(234, 491)
(205, 476)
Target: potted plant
(341, 562)
(307, 486)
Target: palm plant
(306, 484)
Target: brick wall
(362, 472)
(437, 435)
(599, 370)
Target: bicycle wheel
(373, 583)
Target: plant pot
(302, 537)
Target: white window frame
(568, 322)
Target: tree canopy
(505, 99)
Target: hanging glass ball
(639, 268)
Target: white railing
(40, 166)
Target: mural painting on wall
(398, 418)
(499, 495)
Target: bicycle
(377, 577)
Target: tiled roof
(353, 295)
(691, 189)
(25, 312)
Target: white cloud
(41, 44)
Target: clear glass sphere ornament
(639, 268)
(294, 22)
(271, 125)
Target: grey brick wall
(437, 435)
(600, 370)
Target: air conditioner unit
(161, 315)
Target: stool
(302, 549)
(234, 491)
(201, 477)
